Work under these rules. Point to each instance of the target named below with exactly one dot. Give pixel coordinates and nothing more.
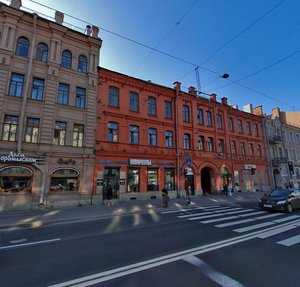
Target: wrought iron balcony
(275, 139)
(279, 160)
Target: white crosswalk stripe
(246, 220)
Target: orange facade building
(150, 136)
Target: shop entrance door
(111, 176)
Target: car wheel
(289, 208)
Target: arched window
(66, 59)
(22, 48)
(42, 52)
(82, 64)
(64, 179)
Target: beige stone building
(48, 105)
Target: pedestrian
(229, 189)
(188, 193)
(165, 197)
(109, 195)
(225, 189)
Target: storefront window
(170, 179)
(152, 180)
(133, 180)
(64, 180)
(15, 179)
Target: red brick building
(150, 136)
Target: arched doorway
(277, 178)
(206, 174)
(16, 179)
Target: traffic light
(253, 170)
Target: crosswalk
(243, 220)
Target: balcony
(275, 139)
(279, 160)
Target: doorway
(206, 174)
(111, 176)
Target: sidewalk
(38, 218)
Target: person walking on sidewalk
(165, 197)
(188, 193)
(109, 195)
(229, 189)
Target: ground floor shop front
(144, 178)
(28, 181)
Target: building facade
(150, 136)
(48, 105)
(283, 148)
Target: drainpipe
(26, 90)
(177, 93)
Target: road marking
(290, 241)
(207, 216)
(286, 218)
(219, 219)
(18, 241)
(219, 278)
(155, 262)
(29, 244)
(240, 211)
(255, 226)
(234, 222)
(252, 213)
(275, 232)
(269, 216)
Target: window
(243, 150)
(80, 98)
(133, 180)
(37, 92)
(113, 100)
(201, 143)
(152, 134)
(209, 118)
(170, 178)
(168, 109)
(134, 102)
(187, 141)
(251, 150)
(200, 117)
(60, 133)
(233, 147)
(66, 59)
(22, 48)
(186, 113)
(240, 126)
(259, 150)
(134, 134)
(221, 146)
(78, 135)
(231, 125)
(152, 179)
(113, 132)
(32, 130)
(255, 128)
(152, 106)
(10, 128)
(63, 94)
(82, 64)
(16, 85)
(169, 139)
(42, 52)
(219, 122)
(248, 128)
(210, 144)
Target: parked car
(280, 199)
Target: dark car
(280, 199)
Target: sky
(195, 42)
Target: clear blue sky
(256, 40)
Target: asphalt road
(200, 246)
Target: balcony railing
(279, 160)
(275, 139)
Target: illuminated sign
(133, 161)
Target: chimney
(177, 86)
(192, 91)
(275, 113)
(248, 108)
(258, 111)
(224, 101)
(88, 30)
(59, 17)
(95, 31)
(213, 97)
(16, 4)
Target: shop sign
(249, 166)
(17, 157)
(133, 161)
(122, 181)
(99, 182)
